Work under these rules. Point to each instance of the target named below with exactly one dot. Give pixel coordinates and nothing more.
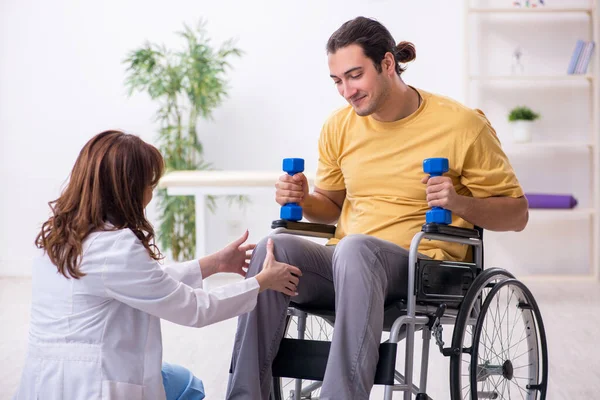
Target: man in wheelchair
(371, 182)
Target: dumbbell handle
(291, 204)
(437, 214)
(292, 211)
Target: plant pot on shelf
(521, 130)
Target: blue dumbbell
(436, 167)
(292, 211)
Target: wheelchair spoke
(522, 354)
(521, 390)
(499, 326)
(522, 339)
(507, 312)
(524, 366)
(505, 359)
(503, 389)
(521, 377)
(500, 330)
(490, 352)
(497, 386)
(316, 328)
(515, 317)
(466, 392)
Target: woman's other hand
(234, 257)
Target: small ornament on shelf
(517, 66)
(528, 3)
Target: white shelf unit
(554, 236)
(557, 215)
(548, 147)
(532, 78)
(525, 10)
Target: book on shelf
(575, 56)
(580, 59)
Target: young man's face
(357, 80)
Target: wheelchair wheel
(317, 328)
(509, 354)
(464, 328)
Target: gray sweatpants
(357, 277)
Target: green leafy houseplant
(521, 118)
(187, 84)
(522, 113)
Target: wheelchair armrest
(451, 230)
(303, 228)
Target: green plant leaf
(522, 113)
(187, 83)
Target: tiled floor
(571, 313)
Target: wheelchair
(498, 348)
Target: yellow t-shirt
(380, 164)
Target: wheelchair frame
(420, 316)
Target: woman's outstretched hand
(235, 256)
(278, 276)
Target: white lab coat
(99, 337)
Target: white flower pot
(522, 131)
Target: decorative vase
(522, 131)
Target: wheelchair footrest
(307, 359)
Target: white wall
(61, 81)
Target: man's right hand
(291, 189)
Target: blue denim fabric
(180, 383)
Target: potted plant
(521, 119)
(187, 84)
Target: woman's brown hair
(106, 185)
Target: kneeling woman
(99, 291)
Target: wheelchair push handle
(292, 211)
(437, 167)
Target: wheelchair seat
(392, 312)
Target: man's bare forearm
(494, 213)
(320, 209)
